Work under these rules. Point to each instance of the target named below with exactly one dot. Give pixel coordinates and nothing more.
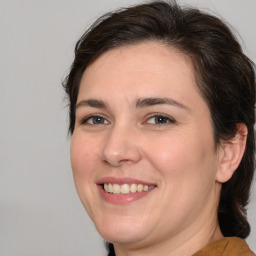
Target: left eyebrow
(146, 102)
(94, 103)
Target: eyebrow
(146, 102)
(94, 103)
(140, 103)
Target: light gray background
(40, 213)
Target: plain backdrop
(40, 213)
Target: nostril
(110, 163)
(116, 163)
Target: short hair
(225, 77)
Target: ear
(231, 153)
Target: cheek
(183, 164)
(83, 155)
(83, 159)
(169, 153)
(182, 158)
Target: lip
(122, 199)
(120, 181)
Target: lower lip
(122, 198)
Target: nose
(121, 146)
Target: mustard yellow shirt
(227, 246)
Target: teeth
(140, 188)
(116, 189)
(110, 188)
(125, 188)
(133, 188)
(106, 187)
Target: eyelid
(88, 117)
(152, 115)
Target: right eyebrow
(94, 103)
(146, 102)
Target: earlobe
(231, 153)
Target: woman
(161, 116)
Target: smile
(126, 188)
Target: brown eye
(94, 120)
(160, 119)
(97, 120)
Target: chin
(124, 232)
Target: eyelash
(168, 120)
(85, 120)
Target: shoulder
(227, 246)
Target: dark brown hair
(224, 75)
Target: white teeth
(116, 189)
(125, 188)
(110, 188)
(106, 187)
(133, 188)
(145, 188)
(140, 188)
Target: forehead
(148, 50)
(142, 70)
(151, 55)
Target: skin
(179, 155)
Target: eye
(160, 119)
(94, 120)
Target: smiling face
(141, 124)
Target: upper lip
(120, 181)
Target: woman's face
(141, 124)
